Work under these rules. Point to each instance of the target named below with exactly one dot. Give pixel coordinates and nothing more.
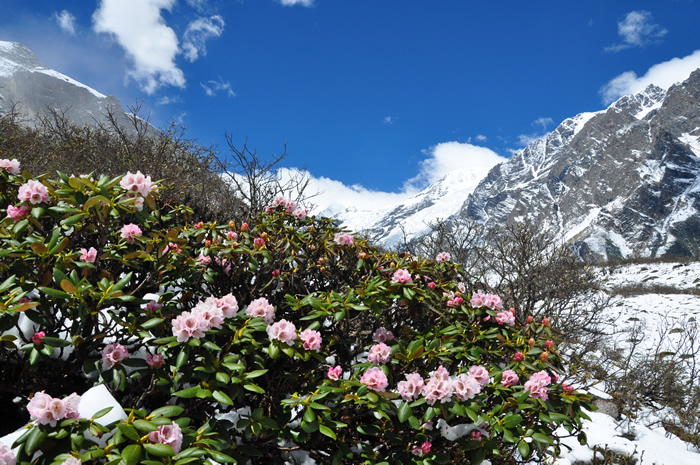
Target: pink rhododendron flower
(567, 388)
(311, 339)
(545, 322)
(259, 243)
(173, 247)
(300, 214)
(437, 389)
(375, 379)
(379, 353)
(155, 361)
(203, 260)
(476, 435)
(18, 213)
(334, 373)
(382, 335)
(462, 288)
(72, 461)
(465, 386)
(492, 301)
(423, 449)
(33, 192)
(228, 304)
(440, 373)
(443, 257)
(480, 374)
(209, 314)
(152, 306)
(11, 166)
(225, 264)
(401, 276)
(549, 345)
(537, 385)
(88, 256)
(455, 301)
(7, 457)
(188, 325)
(505, 318)
(232, 236)
(137, 183)
(509, 378)
(130, 232)
(114, 354)
(261, 308)
(168, 434)
(38, 337)
(412, 388)
(343, 239)
(288, 204)
(518, 357)
(48, 411)
(431, 285)
(283, 331)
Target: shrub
(244, 342)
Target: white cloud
(542, 122)
(389, 120)
(165, 100)
(306, 3)
(637, 30)
(197, 4)
(481, 138)
(150, 45)
(198, 32)
(663, 75)
(66, 22)
(447, 157)
(212, 87)
(527, 139)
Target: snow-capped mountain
(618, 182)
(30, 88)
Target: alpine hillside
(30, 89)
(615, 183)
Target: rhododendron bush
(247, 342)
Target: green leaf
(524, 449)
(512, 421)
(159, 450)
(37, 438)
(254, 388)
(254, 374)
(222, 398)
(167, 411)
(327, 431)
(51, 292)
(144, 425)
(132, 454)
(188, 393)
(541, 438)
(71, 220)
(101, 413)
(152, 323)
(404, 412)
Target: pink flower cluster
(7, 457)
(439, 386)
(18, 213)
(382, 335)
(261, 308)
(203, 260)
(379, 353)
(335, 372)
(423, 449)
(505, 318)
(170, 435)
(343, 239)
(311, 339)
(492, 301)
(152, 306)
(401, 276)
(537, 385)
(375, 379)
(130, 232)
(88, 256)
(155, 361)
(443, 257)
(259, 243)
(11, 166)
(283, 331)
(509, 378)
(33, 192)
(455, 301)
(288, 204)
(203, 317)
(47, 411)
(72, 461)
(38, 337)
(136, 183)
(114, 354)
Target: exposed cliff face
(31, 88)
(614, 183)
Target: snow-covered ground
(644, 436)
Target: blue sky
(365, 92)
